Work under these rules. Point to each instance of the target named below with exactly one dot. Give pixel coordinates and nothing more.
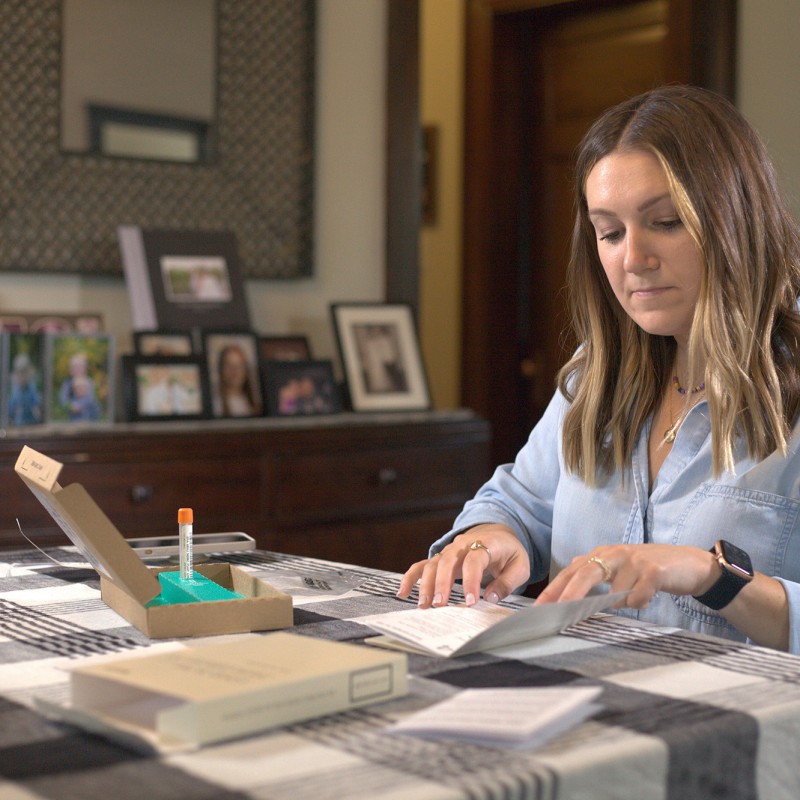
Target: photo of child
(22, 382)
(80, 380)
(77, 393)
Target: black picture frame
(381, 357)
(246, 399)
(301, 388)
(163, 343)
(52, 322)
(79, 378)
(183, 279)
(103, 119)
(284, 348)
(164, 388)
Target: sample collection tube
(185, 521)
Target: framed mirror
(251, 172)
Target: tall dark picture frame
(260, 186)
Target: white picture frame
(381, 357)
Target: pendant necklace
(671, 432)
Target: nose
(638, 255)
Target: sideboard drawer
(353, 483)
(146, 497)
(373, 488)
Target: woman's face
(651, 261)
(234, 369)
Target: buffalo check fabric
(681, 716)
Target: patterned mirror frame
(59, 211)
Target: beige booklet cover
(184, 698)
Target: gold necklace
(671, 432)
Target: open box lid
(89, 529)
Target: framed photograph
(22, 379)
(164, 388)
(49, 322)
(79, 385)
(163, 343)
(284, 348)
(294, 388)
(381, 357)
(233, 373)
(183, 279)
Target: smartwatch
(737, 572)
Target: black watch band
(737, 572)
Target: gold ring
(603, 566)
(479, 545)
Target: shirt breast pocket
(758, 522)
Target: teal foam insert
(198, 588)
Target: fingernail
(470, 599)
(492, 597)
(437, 599)
(423, 600)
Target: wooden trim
(478, 131)
(711, 59)
(403, 154)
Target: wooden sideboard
(370, 489)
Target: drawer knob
(141, 493)
(387, 476)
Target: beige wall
(442, 101)
(769, 65)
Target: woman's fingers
(484, 549)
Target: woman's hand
(498, 552)
(641, 569)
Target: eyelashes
(667, 225)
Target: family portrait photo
(164, 387)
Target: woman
(237, 395)
(674, 426)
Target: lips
(647, 292)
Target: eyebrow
(603, 212)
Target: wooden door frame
(403, 153)
(487, 309)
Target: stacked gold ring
(603, 566)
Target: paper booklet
(525, 717)
(456, 630)
(181, 699)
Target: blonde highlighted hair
(746, 327)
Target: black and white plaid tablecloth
(682, 716)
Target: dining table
(679, 715)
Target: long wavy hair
(746, 327)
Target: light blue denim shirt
(557, 516)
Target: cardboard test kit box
(128, 585)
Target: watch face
(736, 558)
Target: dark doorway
(537, 74)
